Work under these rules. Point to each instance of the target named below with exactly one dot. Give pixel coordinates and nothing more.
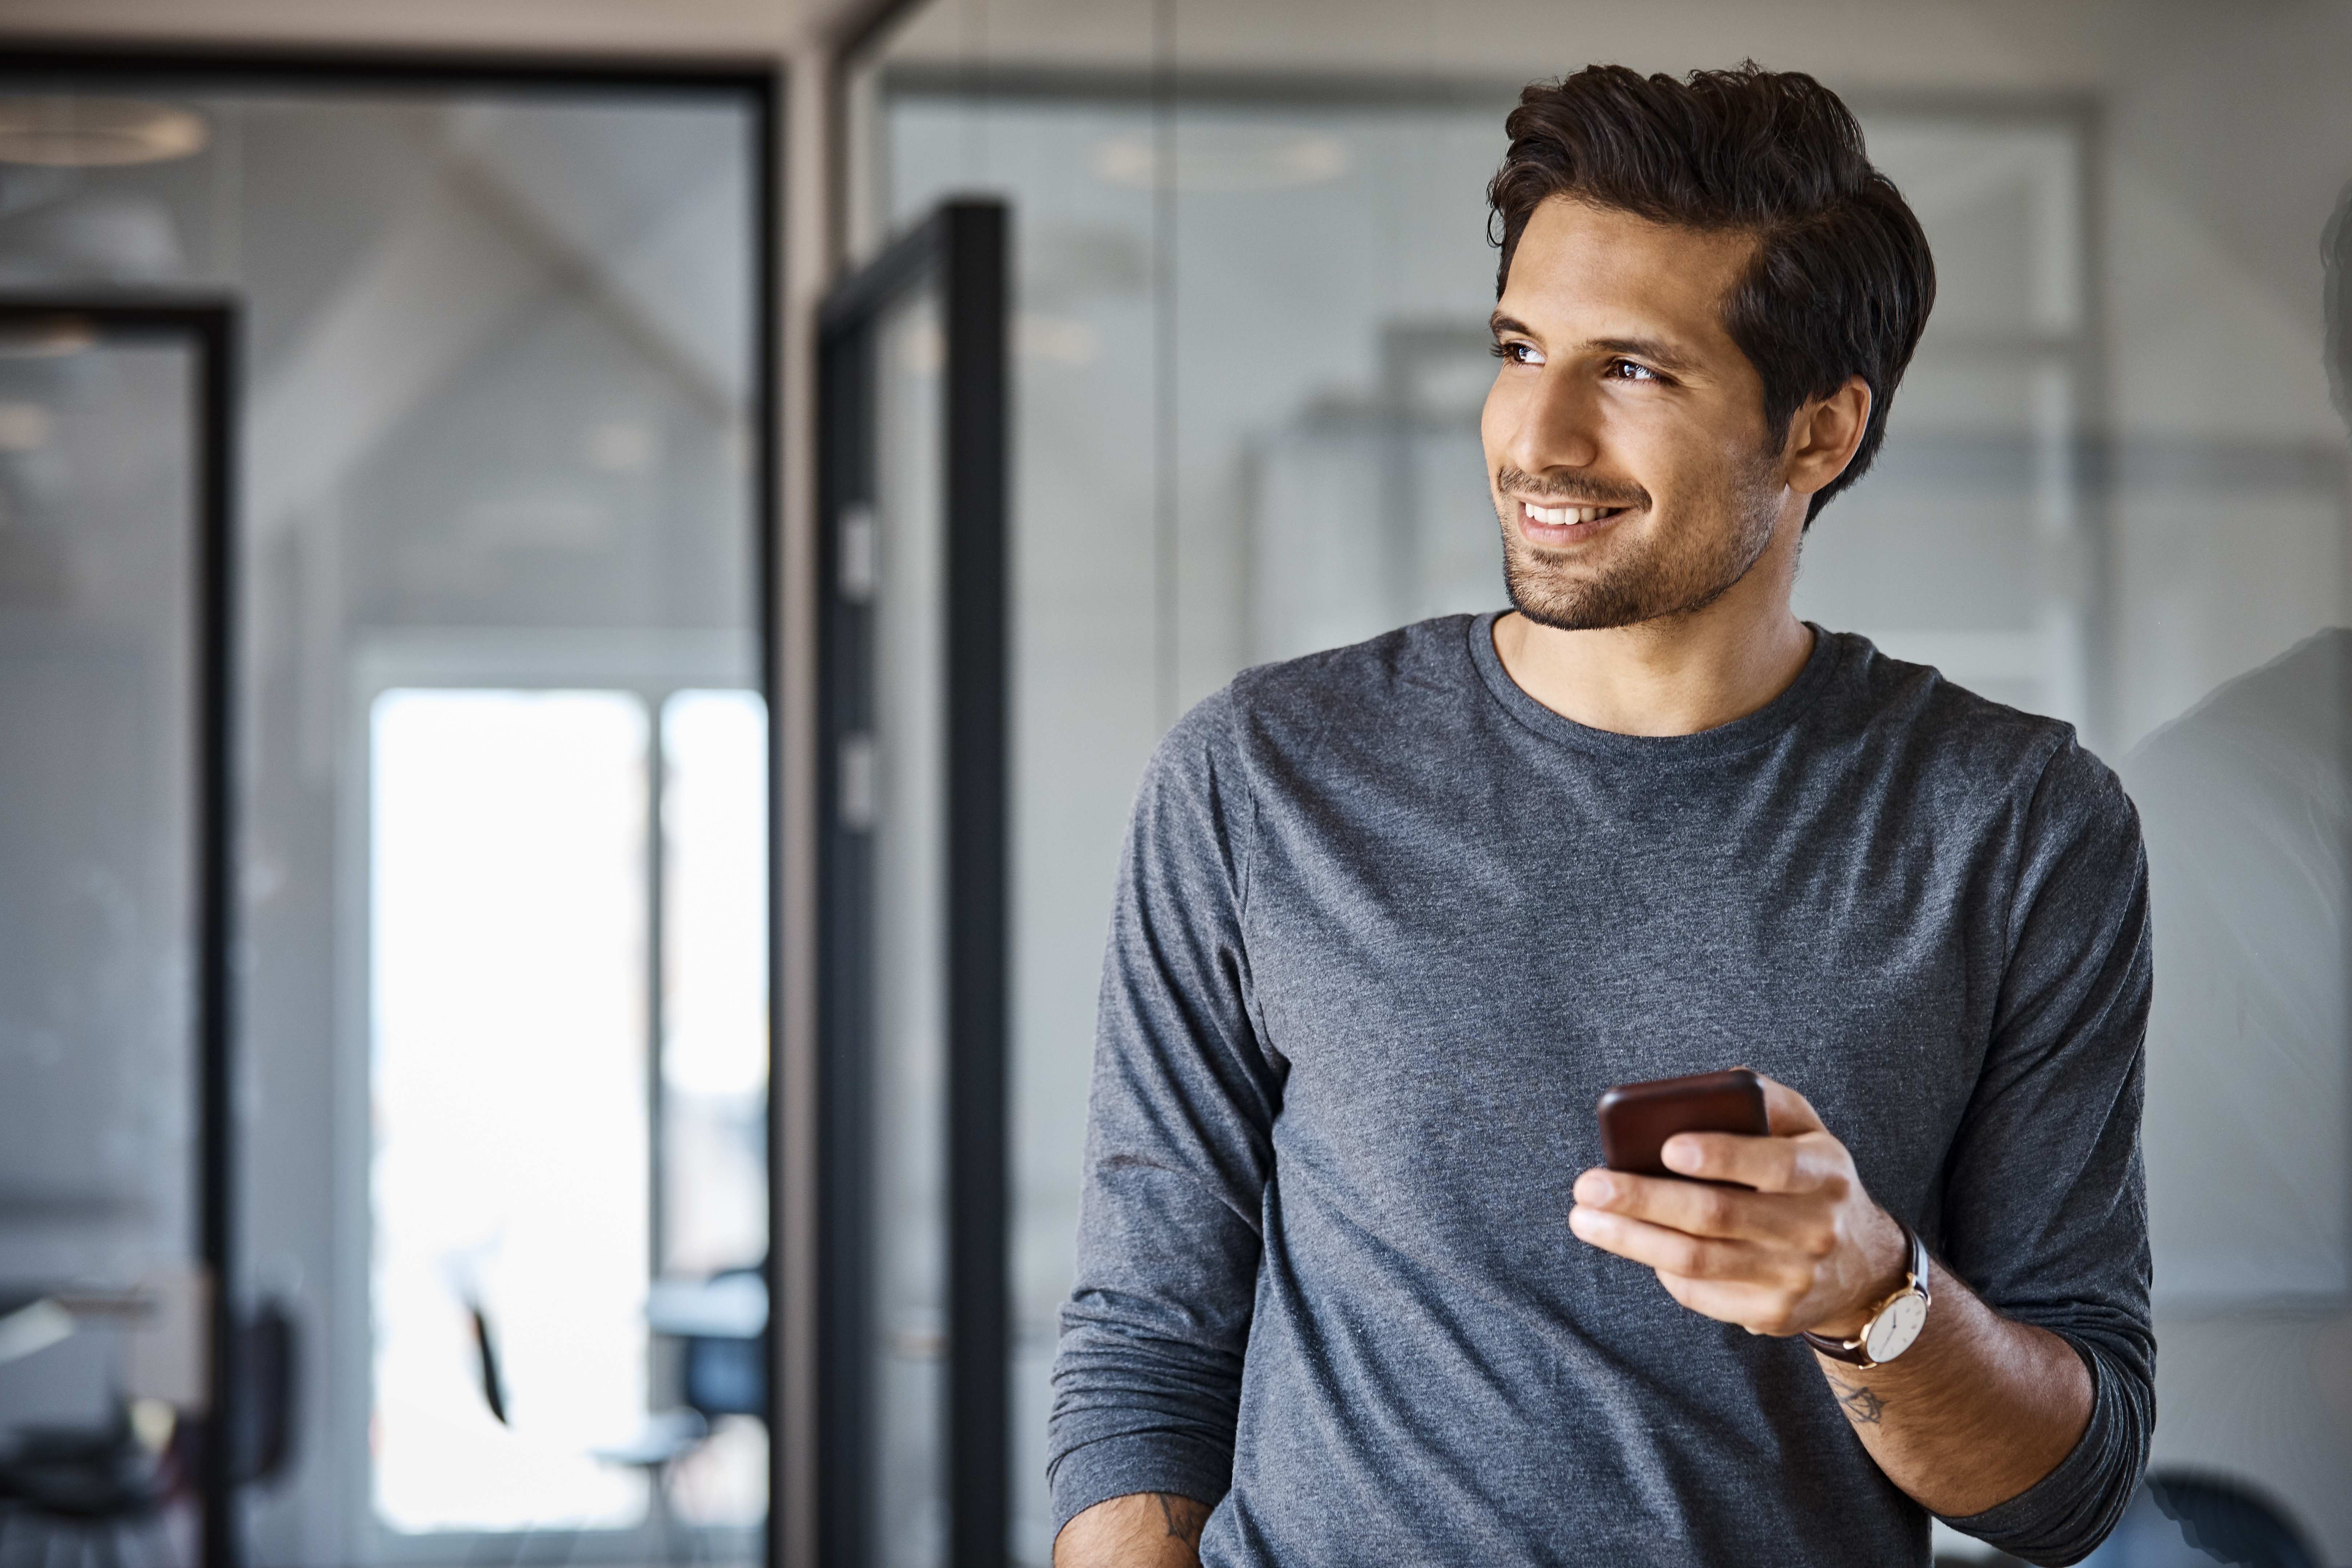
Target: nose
(1541, 423)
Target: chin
(1585, 606)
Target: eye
(1627, 370)
(1516, 350)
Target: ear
(1824, 434)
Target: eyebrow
(1664, 355)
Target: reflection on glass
(98, 955)
(909, 1239)
(508, 904)
(2247, 803)
(2246, 799)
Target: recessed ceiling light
(62, 131)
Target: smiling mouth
(1559, 525)
(1562, 516)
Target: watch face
(1892, 1331)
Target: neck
(1676, 675)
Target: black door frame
(962, 251)
(210, 326)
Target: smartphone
(1636, 1118)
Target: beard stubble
(1728, 527)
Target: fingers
(1775, 1252)
(1725, 1212)
(1799, 1156)
(1756, 1307)
(1666, 1250)
(1802, 1162)
(1761, 1281)
(1754, 1284)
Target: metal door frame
(961, 250)
(209, 325)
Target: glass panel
(498, 354)
(1249, 365)
(1326, 485)
(507, 885)
(101, 1292)
(908, 1234)
(1968, 547)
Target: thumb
(1790, 1113)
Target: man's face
(1624, 433)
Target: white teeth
(1562, 516)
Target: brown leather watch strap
(1856, 1352)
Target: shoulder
(2049, 819)
(1399, 676)
(1323, 719)
(1323, 715)
(1967, 745)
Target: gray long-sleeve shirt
(1385, 929)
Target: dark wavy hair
(1841, 280)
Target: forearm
(1976, 1411)
(1145, 1529)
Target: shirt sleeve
(2045, 1212)
(1147, 1378)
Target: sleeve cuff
(1138, 1462)
(2062, 1518)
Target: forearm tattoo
(1185, 1517)
(1862, 1407)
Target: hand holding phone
(1636, 1118)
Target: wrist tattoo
(1863, 1407)
(1184, 1516)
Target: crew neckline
(1744, 733)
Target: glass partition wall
(500, 1129)
(1250, 276)
(114, 440)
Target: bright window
(715, 981)
(509, 933)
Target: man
(1391, 918)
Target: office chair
(660, 1441)
(92, 1487)
(2185, 1519)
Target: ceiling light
(61, 131)
(1211, 158)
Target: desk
(33, 1320)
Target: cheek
(1682, 459)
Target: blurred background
(435, 441)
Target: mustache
(1511, 481)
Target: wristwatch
(1894, 1323)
